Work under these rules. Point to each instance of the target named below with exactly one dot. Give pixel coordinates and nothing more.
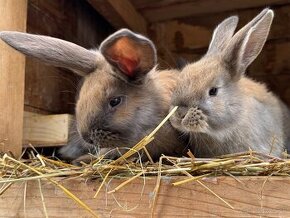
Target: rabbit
(123, 96)
(220, 109)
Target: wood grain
(46, 130)
(129, 14)
(121, 14)
(168, 10)
(12, 70)
(250, 197)
(189, 34)
(51, 89)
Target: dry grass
(37, 167)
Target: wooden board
(155, 11)
(12, 70)
(46, 130)
(250, 197)
(121, 14)
(191, 34)
(50, 89)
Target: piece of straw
(103, 182)
(126, 182)
(42, 199)
(67, 192)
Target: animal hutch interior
(37, 103)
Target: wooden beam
(165, 10)
(13, 15)
(188, 34)
(250, 197)
(46, 130)
(121, 13)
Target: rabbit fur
(223, 111)
(123, 96)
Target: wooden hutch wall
(179, 28)
(50, 89)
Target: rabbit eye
(213, 91)
(115, 101)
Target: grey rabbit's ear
(247, 43)
(53, 51)
(222, 34)
(132, 53)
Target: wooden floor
(250, 197)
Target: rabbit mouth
(195, 121)
(104, 139)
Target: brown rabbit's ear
(246, 44)
(132, 53)
(53, 51)
(222, 34)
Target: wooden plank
(153, 4)
(129, 14)
(121, 13)
(176, 9)
(50, 89)
(13, 15)
(46, 130)
(250, 197)
(279, 84)
(188, 34)
(273, 60)
(75, 21)
(149, 4)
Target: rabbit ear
(53, 51)
(132, 53)
(246, 44)
(222, 34)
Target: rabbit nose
(181, 112)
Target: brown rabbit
(123, 97)
(221, 109)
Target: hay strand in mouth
(147, 139)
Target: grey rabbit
(220, 108)
(123, 96)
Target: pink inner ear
(126, 54)
(127, 65)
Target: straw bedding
(193, 169)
